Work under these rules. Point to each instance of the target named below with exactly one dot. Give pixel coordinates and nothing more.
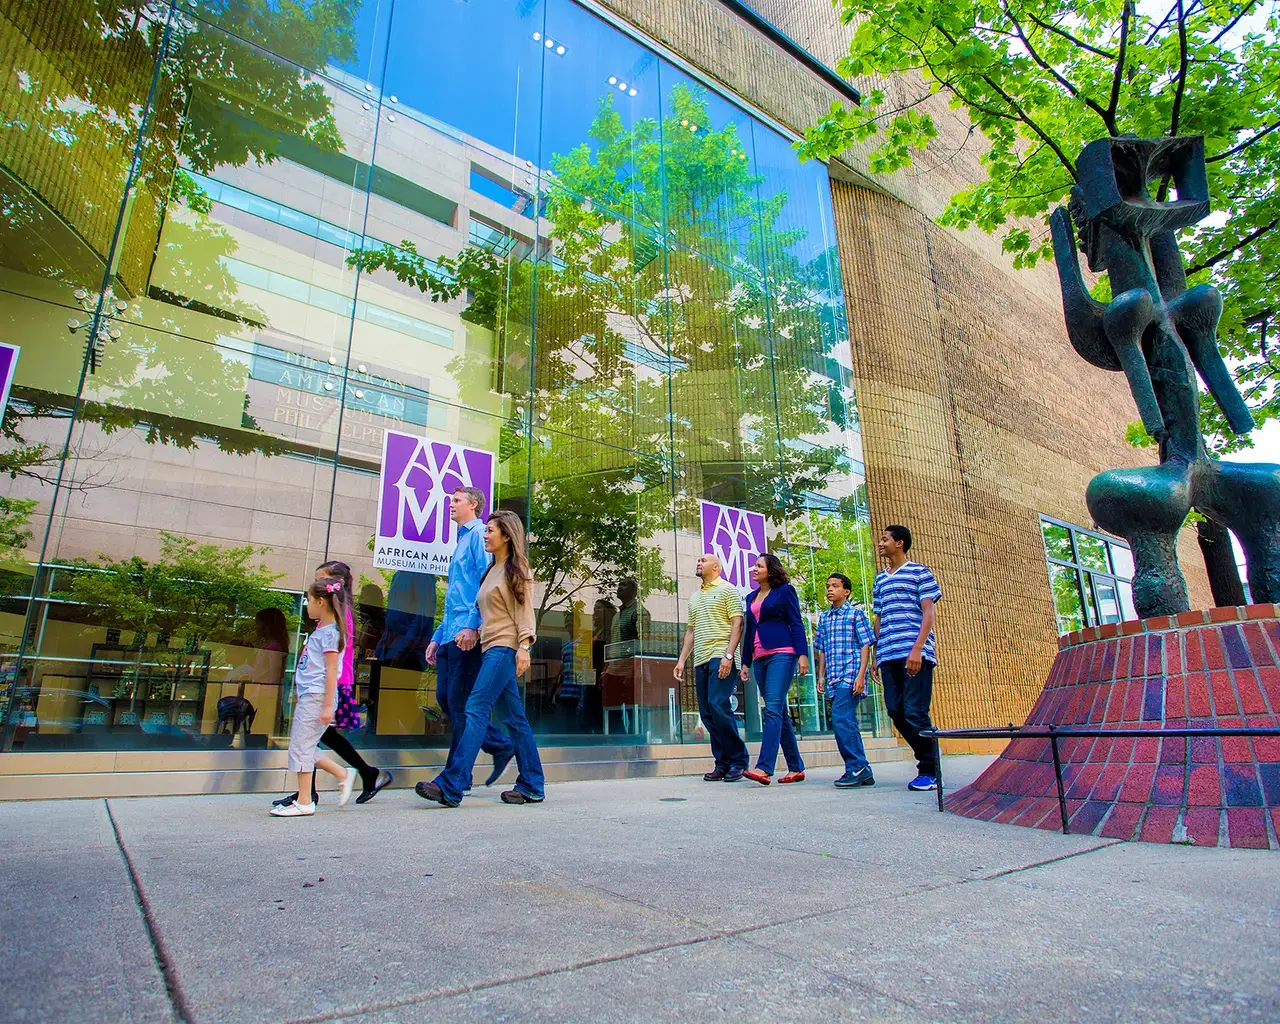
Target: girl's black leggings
(341, 746)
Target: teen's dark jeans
(844, 723)
(717, 717)
(907, 699)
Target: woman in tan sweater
(506, 634)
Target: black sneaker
(715, 776)
(285, 801)
(851, 780)
(734, 774)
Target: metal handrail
(1053, 733)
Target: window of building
(1090, 575)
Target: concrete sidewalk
(636, 900)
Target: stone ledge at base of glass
(1163, 623)
(112, 774)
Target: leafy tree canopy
(1041, 78)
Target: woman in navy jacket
(775, 643)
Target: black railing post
(1057, 773)
(937, 760)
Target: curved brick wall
(1201, 669)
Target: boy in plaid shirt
(843, 645)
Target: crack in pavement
(740, 933)
(159, 949)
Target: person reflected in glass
(632, 621)
(316, 682)
(775, 646)
(455, 648)
(842, 650)
(346, 709)
(239, 711)
(372, 613)
(507, 633)
(711, 638)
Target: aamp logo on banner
(415, 533)
(736, 537)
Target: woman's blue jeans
(495, 685)
(773, 675)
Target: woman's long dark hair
(777, 574)
(519, 575)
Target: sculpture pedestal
(1213, 669)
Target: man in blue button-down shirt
(843, 645)
(455, 645)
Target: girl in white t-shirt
(315, 682)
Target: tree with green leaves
(1041, 78)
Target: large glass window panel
(1108, 602)
(344, 39)
(1122, 558)
(1057, 541)
(474, 70)
(203, 447)
(709, 174)
(1092, 552)
(601, 549)
(1065, 587)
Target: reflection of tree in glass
(193, 592)
(665, 276)
(1066, 598)
(819, 544)
(68, 136)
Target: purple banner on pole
(8, 367)
(415, 533)
(736, 537)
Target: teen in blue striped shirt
(902, 615)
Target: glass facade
(243, 240)
(1090, 576)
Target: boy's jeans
(844, 722)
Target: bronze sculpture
(1155, 330)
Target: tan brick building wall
(977, 415)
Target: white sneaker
(293, 810)
(348, 784)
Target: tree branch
(1108, 117)
(1233, 22)
(1057, 30)
(1246, 241)
(1118, 77)
(1182, 71)
(1243, 145)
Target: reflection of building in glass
(539, 234)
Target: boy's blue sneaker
(851, 779)
(922, 783)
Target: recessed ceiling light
(622, 86)
(550, 42)
(613, 79)
(560, 49)
(537, 36)
(632, 91)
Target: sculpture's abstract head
(1114, 175)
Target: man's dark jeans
(456, 672)
(717, 717)
(907, 699)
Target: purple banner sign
(736, 537)
(8, 367)
(415, 533)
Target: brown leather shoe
(514, 796)
(756, 775)
(792, 777)
(430, 791)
